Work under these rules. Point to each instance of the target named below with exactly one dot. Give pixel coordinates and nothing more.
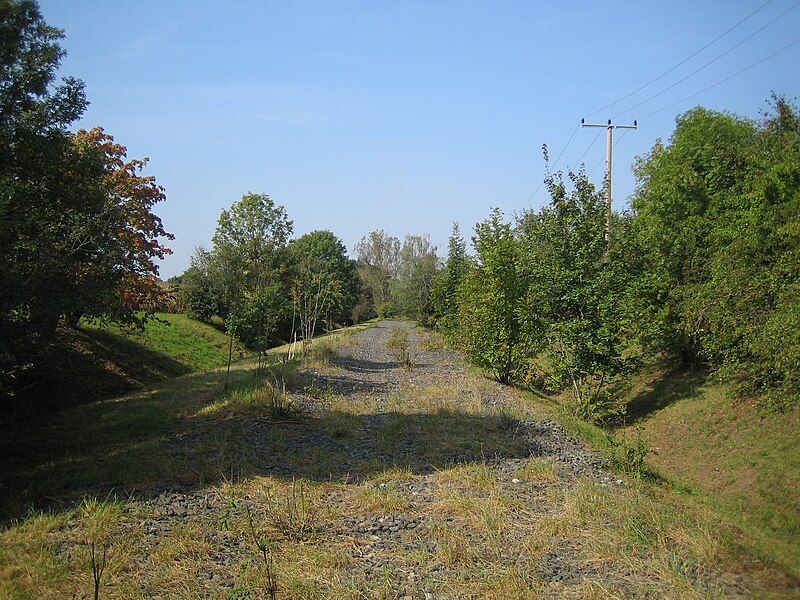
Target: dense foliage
(412, 287)
(447, 282)
(489, 299)
(717, 221)
(325, 283)
(377, 264)
(705, 269)
(77, 234)
(265, 287)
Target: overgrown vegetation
(702, 270)
(193, 344)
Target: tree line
(703, 269)
(264, 287)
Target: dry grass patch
(30, 564)
(267, 400)
(382, 494)
(69, 554)
(431, 341)
(381, 499)
(470, 476)
(321, 354)
(539, 470)
(281, 510)
(644, 531)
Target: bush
(630, 455)
(398, 343)
(387, 310)
(364, 311)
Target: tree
(571, 314)
(32, 109)
(198, 288)
(488, 301)
(249, 262)
(77, 233)
(716, 219)
(412, 287)
(325, 283)
(377, 264)
(683, 188)
(444, 295)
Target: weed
(293, 516)
(538, 469)
(630, 456)
(340, 425)
(260, 539)
(268, 399)
(399, 344)
(320, 354)
(431, 342)
(279, 406)
(98, 519)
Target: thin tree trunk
(230, 356)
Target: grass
(539, 470)
(743, 462)
(721, 456)
(195, 345)
(101, 362)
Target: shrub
(387, 310)
(398, 343)
(630, 455)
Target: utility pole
(609, 152)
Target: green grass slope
(192, 344)
(730, 454)
(93, 362)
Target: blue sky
(403, 116)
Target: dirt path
(425, 483)
(394, 482)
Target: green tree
(684, 187)
(377, 264)
(77, 233)
(249, 264)
(571, 316)
(724, 277)
(325, 284)
(489, 329)
(412, 287)
(444, 295)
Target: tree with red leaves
(77, 233)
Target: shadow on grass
(663, 391)
(181, 437)
(97, 364)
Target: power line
(713, 60)
(599, 131)
(560, 154)
(758, 62)
(688, 58)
